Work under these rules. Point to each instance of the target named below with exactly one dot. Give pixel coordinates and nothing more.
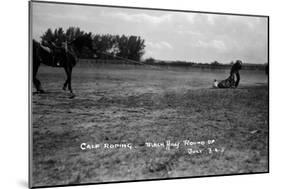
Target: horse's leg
(67, 83)
(67, 78)
(36, 81)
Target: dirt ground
(144, 108)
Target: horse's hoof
(72, 96)
(40, 91)
(64, 88)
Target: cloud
(167, 35)
(216, 44)
(159, 45)
(141, 17)
(190, 17)
(157, 49)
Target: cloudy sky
(168, 35)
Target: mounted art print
(121, 94)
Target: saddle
(56, 54)
(46, 48)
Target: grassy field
(137, 105)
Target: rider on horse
(57, 52)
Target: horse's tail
(36, 48)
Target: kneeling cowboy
(235, 71)
(230, 82)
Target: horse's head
(81, 42)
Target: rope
(130, 60)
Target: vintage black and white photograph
(122, 94)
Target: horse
(58, 57)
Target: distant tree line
(212, 65)
(105, 46)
